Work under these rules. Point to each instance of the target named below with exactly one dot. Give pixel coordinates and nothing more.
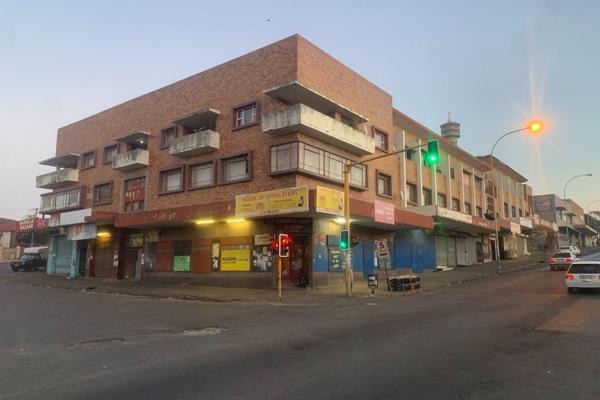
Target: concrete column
(420, 201)
(461, 199)
(473, 196)
(501, 189)
(449, 183)
(400, 143)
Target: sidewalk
(429, 281)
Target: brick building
(147, 189)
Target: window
(467, 179)
(302, 157)
(451, 173)
(427, 199)
(245, 116)
(455, 204)
(236, 169)
(381, 139)
(171, 181)
(520, 212)
(479, 182)
(468, 209)
(384, 184)
(441, 200)
(506, 210)
(479, 211)
(61, 200)
(88, 160)
(202, 175)
(110, 152)
(408, 153)
(411, 193)
(167, 136)
(135, 193)
(103, 194)
(514, 211)
(424, 158)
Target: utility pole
(33, 228)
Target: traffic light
(433, 152)
(354, 241)
(344, 240)
(283, 245)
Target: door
(451, 251)
(297, 267)
(441, 255)
(417, 257)
(63, 255)
(82, 250)
(461, 252)
(131, 260)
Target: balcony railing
(131, 160)
(197, 143)
(68, 200)
(57, 179)
(301, 118)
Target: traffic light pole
(347, 169)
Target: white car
(583, 275)
(572, 249)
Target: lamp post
(532, 127)
(565, 200)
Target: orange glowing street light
(535, 126)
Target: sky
(494, 65)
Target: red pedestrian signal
(283, 245)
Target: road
(518, 336)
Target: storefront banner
(454, 215)
(329, 201)
(274, 202)
(152, 235)
(81, 232)
(543, 204)
(32, 223)
(263, 239)
(384, 212)
(526, 222)
(182, 264)
(515, 228)
(75, 217)
(235, 259)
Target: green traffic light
(344, 240)
(433, 152)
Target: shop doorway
(82, 252)
(295, 269)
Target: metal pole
(348, 255)
(279, 277)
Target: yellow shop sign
(330, 201)
(235, 259)
(273, 202)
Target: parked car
(573, 249)
(33, 258)
(562, 260)
(582, 275)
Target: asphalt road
(518, 336)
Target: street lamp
(534, 127)
(565, 200)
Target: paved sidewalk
(429, 281)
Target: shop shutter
(441, 256)
(461, 251)
(451, 250)
(471, 251)
(63, 255)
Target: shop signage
(515, 228)
(329, 201)
(136, 191)
(384, 212)
(235, 259)
(526, 222)
(75, 217)
(263, 239)
(152, 235)
(136, 240)
(32, 223)
(81, 232)
(335, 263)
(274, 202)
(182, 264)
(293, 225)
(454, 215)
(543, 204)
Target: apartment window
(408, 153)
(236, 169)
(103, 194)
(479, 182)
(171, 180)
(479, 211)
(384, 184)
(451, 173)
(506, 210)
(61, 200)
(527, 213)
(514, 211)
(441, 200)
(381, 139)
(424, 158)
(202, 175)
(135, 193)
(520, 212)
(88, 160)
(455, 204)
(411, 193)
(245, 116)
(110, 152)
(468, 209)
(467, 179)
(167, 136)
(302, 157)
(427, 198)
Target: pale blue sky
(493, 65)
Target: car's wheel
(570, 290)
(15, 269)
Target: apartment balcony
(301, 118)
(130, 160)
(196, 143)
(57, 179)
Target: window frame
(189, 185)
(162, 143)
(479, 211)
(425, 203)
(124, 191)
(409, 200)
(386, 139)
(442, 196)
(52, 196)
(95, 200)
(163, 173)
(456, 202)
(83, 156)
(105, 152)
(223, 160)
(379, 174)
(234, 126)
(468, 208)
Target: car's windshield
(562, 255)
(27, 257)
(585, 269)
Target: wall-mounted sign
(274, 202)
(384, 212)
(263, 239)
(136, 240)
(329, 201)
(182, 264)
(293, 225)
(32, 223)
(543, 204)
(235, 259)
(454, 215)
(335, 262)
(81, 232)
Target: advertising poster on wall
(335, 261)
(235, 260)
(262, 259)
(329, 201)
(182, 264)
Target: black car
(28, 262)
